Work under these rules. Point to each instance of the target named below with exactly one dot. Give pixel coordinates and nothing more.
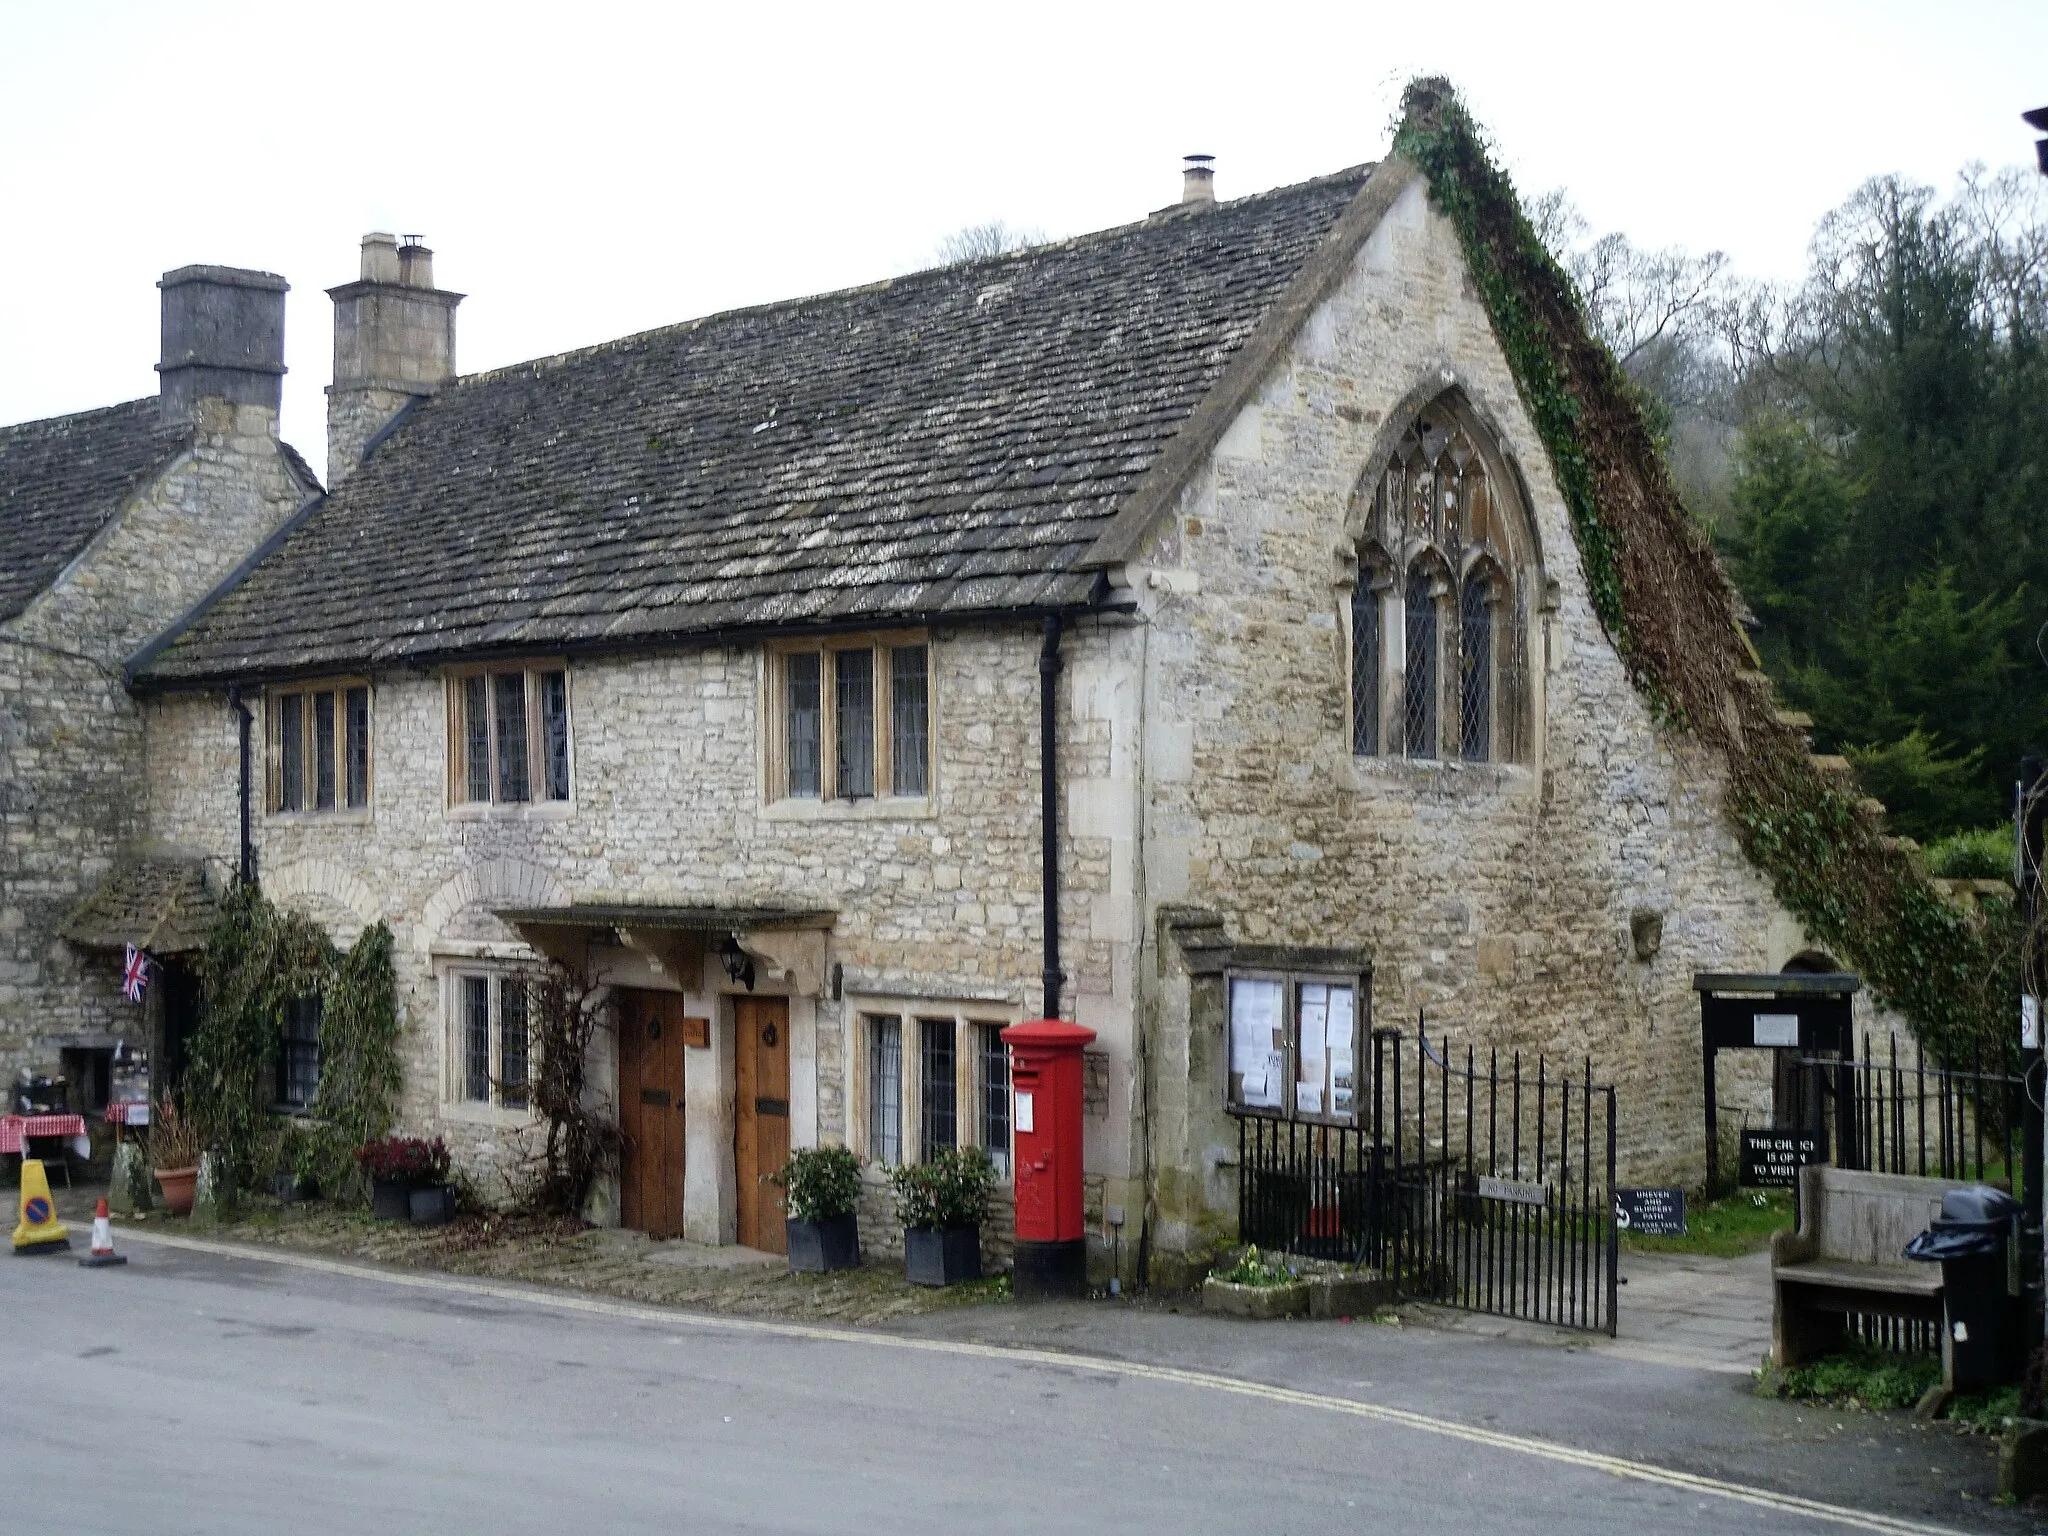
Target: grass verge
(1725, 1228)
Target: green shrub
(821, 1183)
(949, 1189)
(1985, 854)
(1861, 1377)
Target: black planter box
(944, 1256)
(291, 1188)
(432, 1207)
(390, 1202)
(819, 1247)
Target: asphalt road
(194, 1392)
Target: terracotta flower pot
(178, 1185)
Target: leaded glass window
(1419, 687)
(885, 1090)
(1475, 659)
(1365, 666)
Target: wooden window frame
(1291, 983)
(456, 695)
(910, 1014)
(273, 748)
(881, 646)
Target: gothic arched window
(1454, 614)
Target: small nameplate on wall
(697, 1034)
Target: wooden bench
(1846, 1258)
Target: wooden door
(761, 1127)
(651, 1111)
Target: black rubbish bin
(1974, 1242)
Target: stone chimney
(223, 339)
(394, 339)
(1198, 179)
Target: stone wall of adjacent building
(668, 809)
(71, 737)
(1494, 898)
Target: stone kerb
(508, 882)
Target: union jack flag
(135, 974)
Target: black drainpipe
(1049, 809)
(248, 722)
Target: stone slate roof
(944, 444)
(158, 902)
(62, 478)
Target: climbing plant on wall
(259, 960)
(1667, 605)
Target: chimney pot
(415, 264)
(380, 258)
(1198, 179)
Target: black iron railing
(1483, 1184)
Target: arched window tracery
(1439, 615)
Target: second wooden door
(761, 1127)
(651, 1111)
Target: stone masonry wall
(668, 809)
(71, 738)
(1496, 897)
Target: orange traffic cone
(102, 1241)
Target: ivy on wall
(260, 959)
(1666, 603)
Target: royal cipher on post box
(1045, 1078)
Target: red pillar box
(1045, 1075)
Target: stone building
(113, 523)
(709, 662)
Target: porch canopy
(787, 941)
(157, 902)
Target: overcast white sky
(584, 170)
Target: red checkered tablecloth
(14, 1127)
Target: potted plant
(175, 1146)
(408, 1179)
(942, 1202)
(822, 1186)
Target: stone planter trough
(1255, 1301)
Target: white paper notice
(1255, 1059)
(1024, 1112)
(1308, 1098)
(1341, 1033)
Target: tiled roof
(156, 902)
(939, 445)
(62, 478)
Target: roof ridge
(1154, 220)
(152, 401)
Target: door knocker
(768, 1035)
(654, 1029)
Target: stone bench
(1847, 1257)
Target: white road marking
(1523, 1445)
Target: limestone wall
(1496, 897)
(71, 738)
(668, 809)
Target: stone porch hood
(786, 942)
(157, 902)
